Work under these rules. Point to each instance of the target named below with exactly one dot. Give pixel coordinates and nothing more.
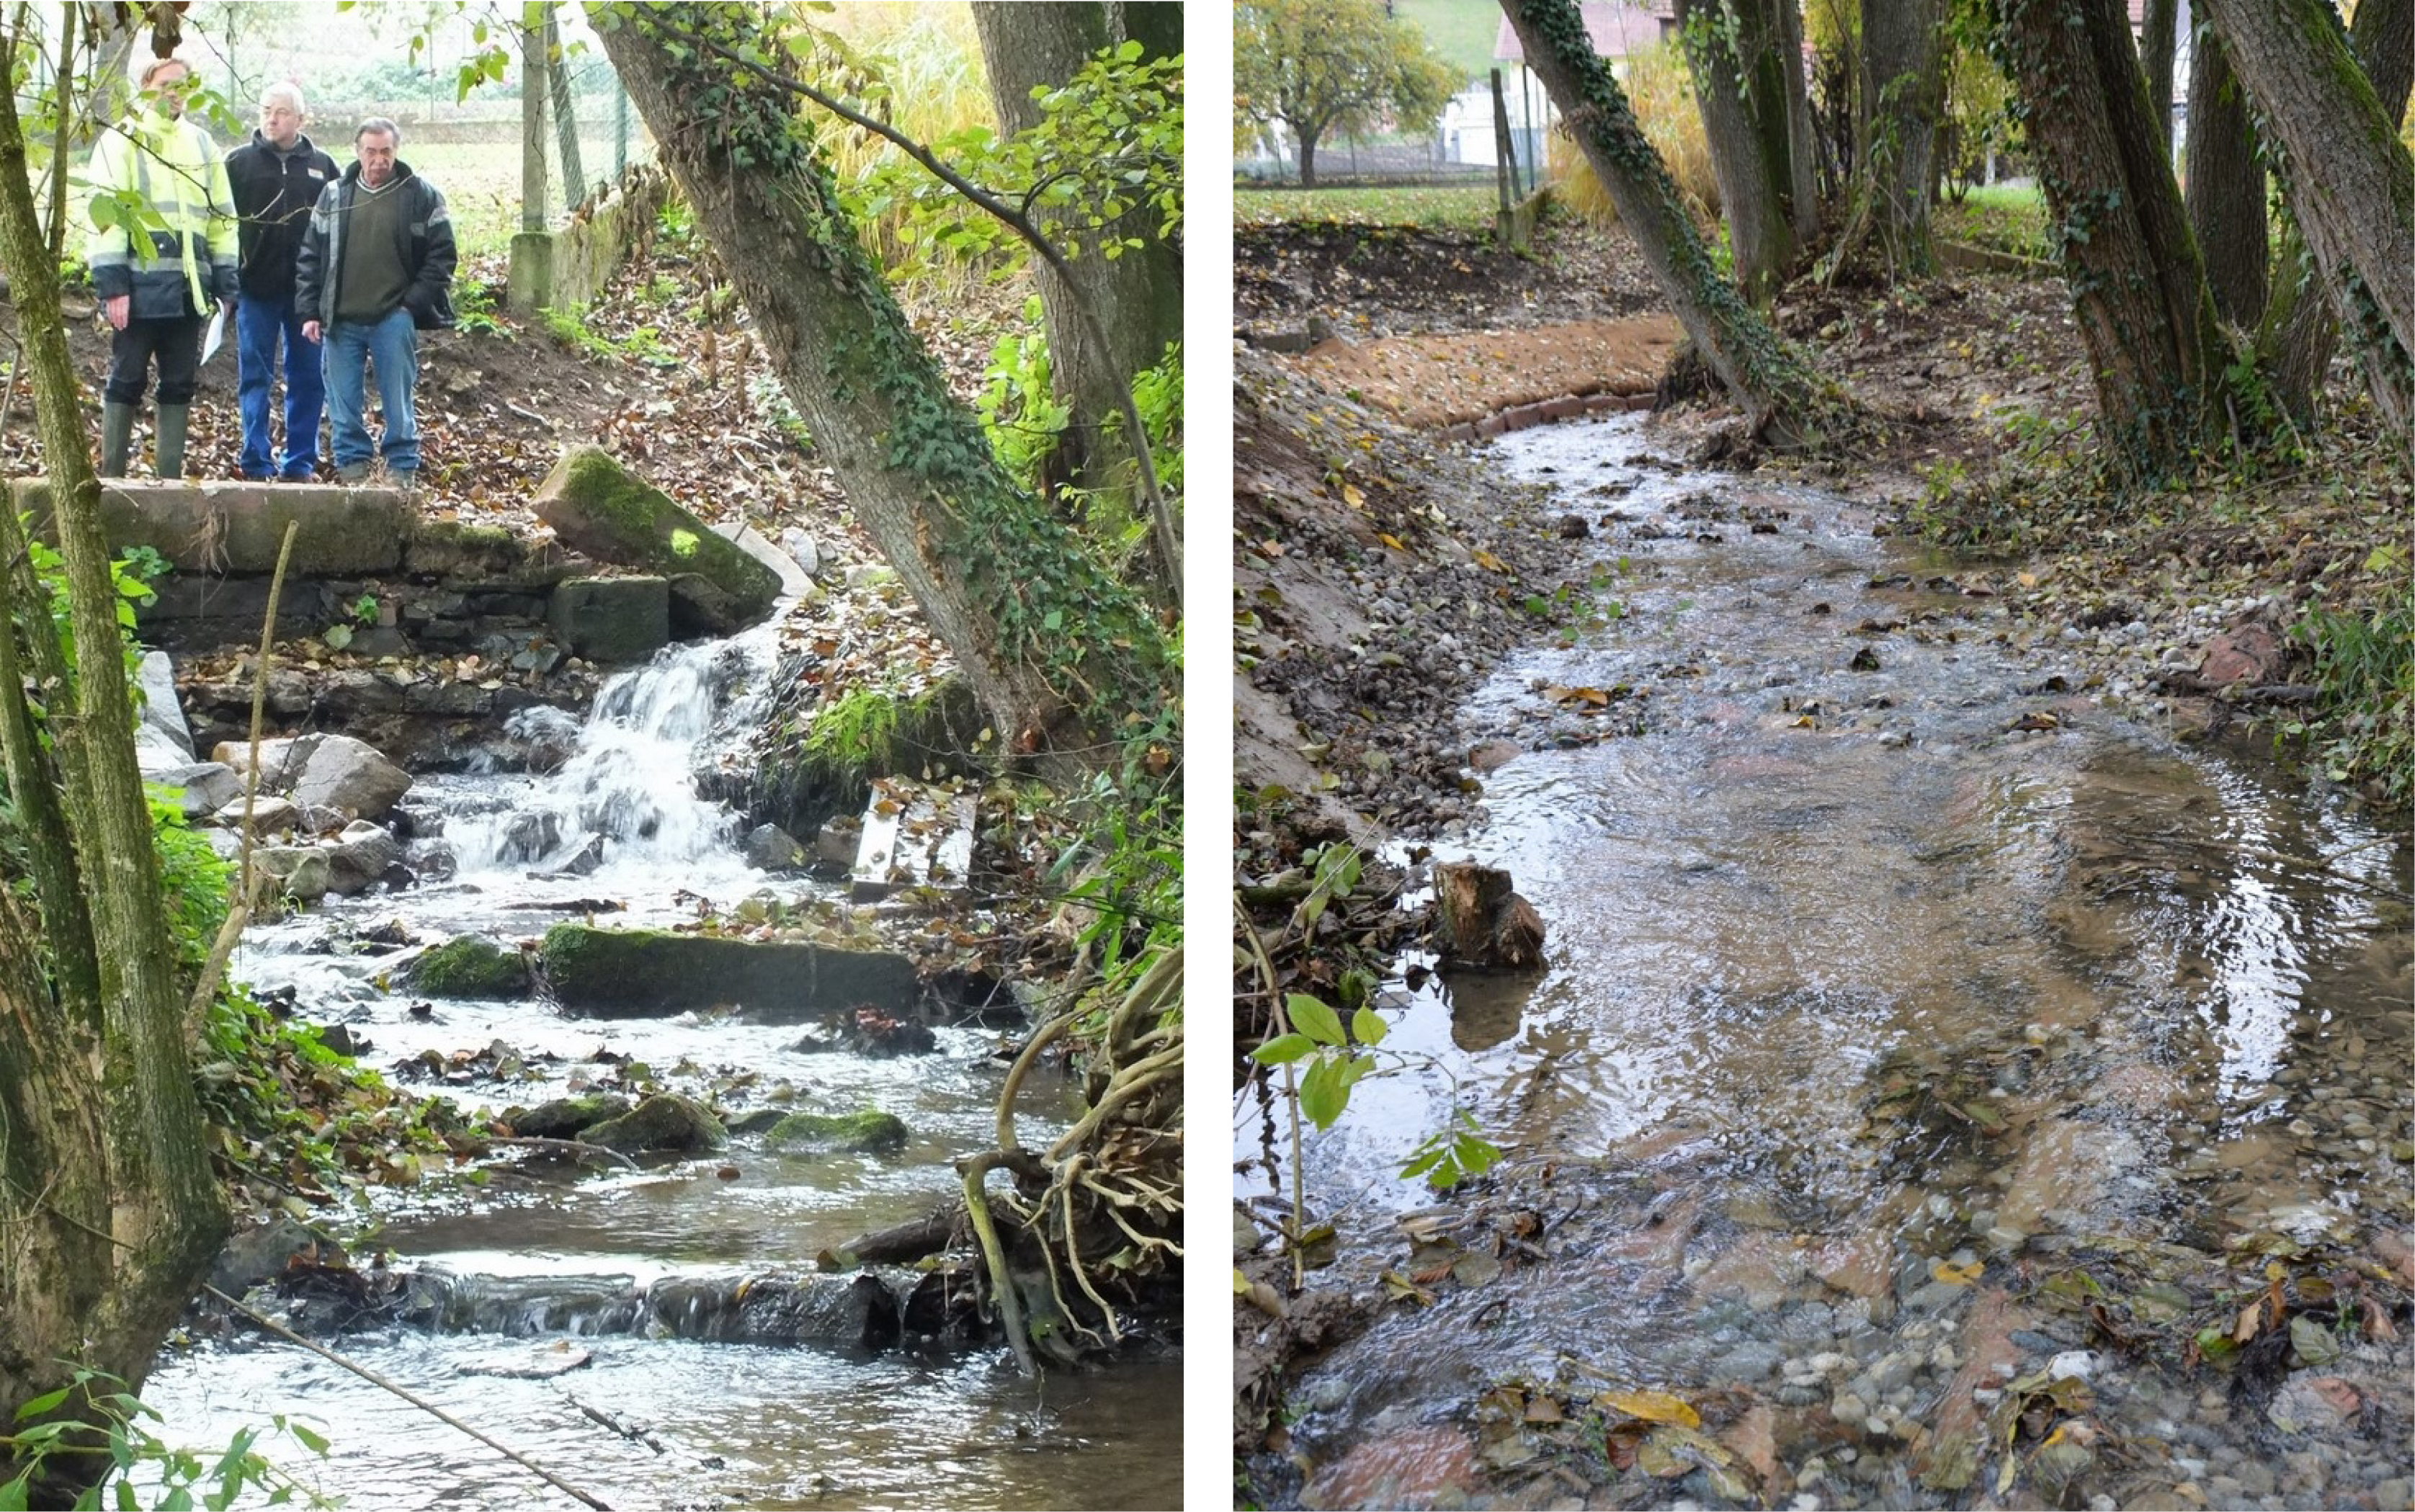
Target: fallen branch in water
(374, 1379)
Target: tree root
(1106, 1199)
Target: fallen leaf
(1652, 1406)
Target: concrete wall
(560, 269)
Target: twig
(422, 1403)
(245, 885)
(374, 1379)
(568, 1146)
(528, 414)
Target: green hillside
(1461, 30)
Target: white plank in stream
(915, 835)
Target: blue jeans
(393, 345)
(259, 327)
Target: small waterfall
(625, 795)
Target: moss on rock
(567, 1117)
(597, 506)
(665, 1121)
(472, 966)
(867, 1132)
(624, 973)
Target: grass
(481, 184)
(1662, 95)
(1461, 30)
(2003, 217)
(1455, 208)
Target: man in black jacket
(373, 271)
(278, 177)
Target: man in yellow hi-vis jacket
(157, 297)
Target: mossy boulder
(472, 966)
(665, 1121)
(631, 973)
(867, 1132)
(568, 1118)
(599, 507)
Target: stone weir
(445, 627)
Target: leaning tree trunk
(1778, 392)
(1056, 650)
(2225, 186)
(1903, 94)
(1744, 121)
(2137, 289)
(1135, 298)
(109, 1206)
(2158, 41)
(2303, 328)
(2350, 186)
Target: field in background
(1461, 30)
(1468, 209)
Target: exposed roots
(1105, 1205)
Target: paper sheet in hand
(217, 336)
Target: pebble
(1747, 1363)
(2072, 1365)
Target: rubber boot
(172, 438)
(116, 438)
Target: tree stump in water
(1484, 921)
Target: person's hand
(120, 308)
(310, 332)
(229, 285)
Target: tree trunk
(2137, 289)
(1484, 920)
(2158, 41)
(1306, 138)
(1744, 121)
(1776, 391)
(2303, 327)
(1136, 298)
(2350, 186)
(1802, 142)
(1056, 650)
(1155, 25)
(109, 1193)
(1902, 98)
(533, 98)
(565, 111)
(2225, 186)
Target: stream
(542, 1265)
(1901, 1004)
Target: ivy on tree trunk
(2301, 329)
(1057, 650)
(2350, 186)
(2137, 288)
(1779, 393)
(109, 1209)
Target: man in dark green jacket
(373, 271)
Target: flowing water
(1868, 1014)
(545, 1263)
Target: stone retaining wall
(559, 269)
(1521, 416)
